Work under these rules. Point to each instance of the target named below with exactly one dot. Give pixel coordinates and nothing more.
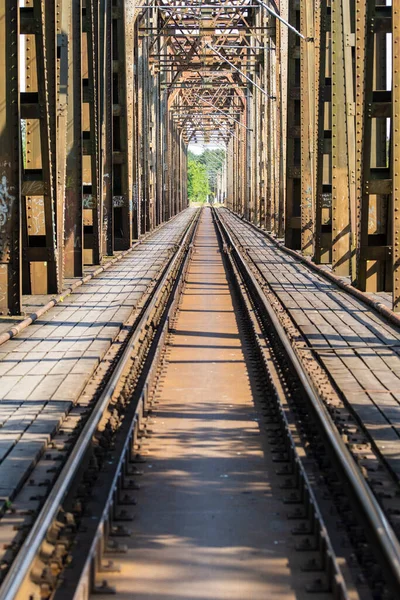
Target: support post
(10, 160)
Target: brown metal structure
(99, 101)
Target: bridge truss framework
(99, 100)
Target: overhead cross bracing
(203, 50)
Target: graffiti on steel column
(6, 201)
(105, 222)
(35, 214)
(89, 202)
(118, 201)
(76, 237)
(6, 204)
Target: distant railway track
(350, 549)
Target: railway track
(36, 555)
(338, 461)
(338, 542)
(324, 362)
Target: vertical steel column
(135, 141)
(274, 132)
(374, 183)
(323, 146)
(276, 125)
(243, 171)
(293, 144)
(269, 133)
(54, 151)
(247, 156)
(92, 202)
(106, 114)
(161, 48)
(262, 137)
(10, 160)
(145, 133)
(63, 20)
(396, 152)
(152, 144)
(282, 105)
(41, 274)
(139, 124)
(73, 252)
(343, 137)
(307, 101)
(122, 123)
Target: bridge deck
(44, 369)
(209, 523)
(352, 341)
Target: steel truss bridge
(99, 100)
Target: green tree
(210, 160)
(198, 185)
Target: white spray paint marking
(6, 201)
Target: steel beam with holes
(92, 188)
(122, 151)
(293, 142)
(10, 160)
(42, 213)
(323, 135)
(73, 225)
(106, 85)
(343, 138)
(396, 153)
(373, 169)
(307, 126)
(282, 107)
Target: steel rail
(378, 526)
(333, 570)
(141, 391)
(341, 282)
(31, 546)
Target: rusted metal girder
(282, 104)
(307, 126)
(92, 170)
(42, 179)
(107, 129)
(323, 135)
(373, 168)
(112, 92)
(123, 122)
(395, 165)
(10, 160)
(293, 142)
(73, 253)
(343, 138)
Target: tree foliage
(198, 186)
(202, 173)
